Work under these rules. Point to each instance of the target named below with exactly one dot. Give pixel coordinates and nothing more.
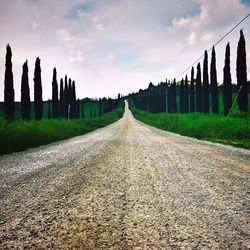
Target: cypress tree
(73, 101)
(186, 96)
(55, 103)
(214, 85)
(69, 100)
(241, 73)
(227, 82)
(181, 100)
(169, 97)
(65, 97)
(175, 108)
(100, 107)
(49, 110)
(192, 102)
(9, 94)
(38, 101)
(77, 109)
(82, 110)
(25, 94)
(61, 105)
(205, 92)
(198, 88)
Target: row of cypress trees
(9, 101)
(63, 103)
(195, 95)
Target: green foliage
(234, 130)
(20, 135)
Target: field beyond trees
(20, 135)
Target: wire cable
(221, 39)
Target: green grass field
(233, 130)
(20, 135)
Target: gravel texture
(126, 186)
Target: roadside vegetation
(20, 135)
(233, 130)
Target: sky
(116, 46)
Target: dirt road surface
(126, 186)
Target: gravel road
(126, 186)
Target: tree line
(198, 94)
(63, 103)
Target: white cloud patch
(213, 19)
(95, 20)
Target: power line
(222, 38)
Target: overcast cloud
(111, 46)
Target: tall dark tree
(82, 110)
(66, 97)
(241, 72)
(25, 94)
(214, 85)
(38, 101)
(175, 108)
(73, 101)
(49, 110)
(182, 100)
(205, 88)
(186, 96)
(100, 107)
(227, 82)
(69, 100)
(198, 89)
(77, 109)
(61, 103)
(192, 101)
(55, 103)
(9, 94)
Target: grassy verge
(233, 130)
(20, 135)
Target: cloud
(95, 20)
(213, 19)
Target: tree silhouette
(227, 81)
(241, 73)
(9, 95)
(38, 101)
(55, 103)
(61, 103)
(186, 96)
(25, 94)
(205, 92)
(192, 101)
(100, 107)
(181, 100)
(49, 110)
(214, 85)
(69, 100)
(175, 108)
(82, 110)
(66, 97)
(198, 88)
(73, 101)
